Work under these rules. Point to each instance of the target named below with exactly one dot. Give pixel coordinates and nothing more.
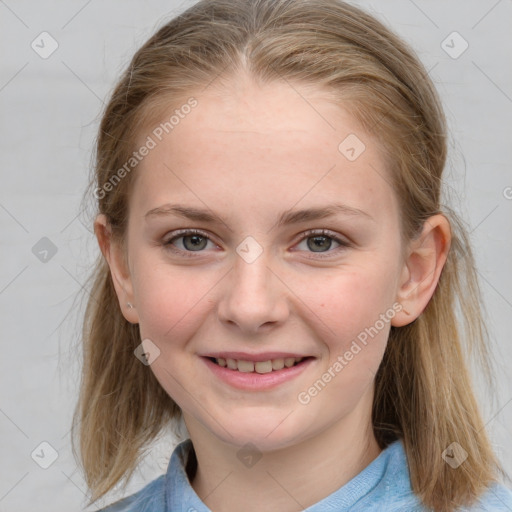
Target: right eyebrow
(184, 211)
(286, 217)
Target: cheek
(170, 298)
(348, 302)
(353, 313)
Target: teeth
(277, 364)
(289, 362)
(260, 366)
(245, 366)
(263, 366)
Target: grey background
(49, 116)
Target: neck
(288, 479)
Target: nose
(254, 298)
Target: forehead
(247, 143)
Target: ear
(426, 256)
(113, 252)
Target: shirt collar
(376, 477)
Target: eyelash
(307, 234)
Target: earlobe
(422, 269)
(113, 254)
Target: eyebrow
(286, 217)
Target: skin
(249, 152)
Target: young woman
(278, 271)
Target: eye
(320, 241)
(187, 241)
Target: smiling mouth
(272, 365)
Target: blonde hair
(423, 392)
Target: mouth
(260, 372)
(261, 367)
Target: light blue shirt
(383, 486)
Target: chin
(267, 432)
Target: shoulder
(497, 497)
(401, 498)
(396, 491)
(155, 496)
(150, 498)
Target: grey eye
(319, 243)
(194, 242)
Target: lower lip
(256, 381)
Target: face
(258, 285)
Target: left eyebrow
(308, 214)
(286, 217)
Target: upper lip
(262, 356)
